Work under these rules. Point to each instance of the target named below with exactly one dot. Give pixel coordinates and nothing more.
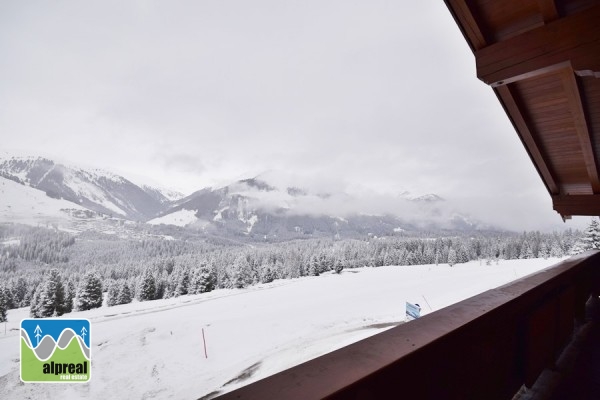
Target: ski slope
(177, 218)
(25, 205)
(155, 349)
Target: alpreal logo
(55, 350)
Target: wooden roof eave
(572, 41)
(474, 37)
(570, 45)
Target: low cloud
(481, 211)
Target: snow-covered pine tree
(338, 266)
(591, 238)
(543, 252)
(194, 281)
(326, 262)
(36, 299)
(577, 248)
(428, 255)
(20, 293)
(69, 297)
(526, 251)
(183, 281)
(169, 285)
(90, 292)
(240, 276)
(3, 305)
(124, 293)
(162, 284)
(452, 258)
(9, 301)
(147, 289)
(314, 267)
(266, 274)
(206, 279)
(112, 294)
(555, 249)
(53, 295)
(462, 254)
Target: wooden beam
(548, 10)
(464, 17)
(571, 41)
(584, 204)
(513, 110)
(581, 127)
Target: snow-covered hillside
(21, 204)
(97, 190)
(177, 218)
(25, 205)
(155, 349)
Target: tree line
(76, 272)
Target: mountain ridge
(254, 208)
(95, 189)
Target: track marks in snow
(145, 333)
(382, 325)
(102, 346)
(211, 395)
(334, 333)
(153, 394)
(245, 374)
(156, 371)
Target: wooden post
(430, 309)
(204, 341)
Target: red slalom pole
(204, 341)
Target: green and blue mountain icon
(55, 350)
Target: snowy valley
(155, 349)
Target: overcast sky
(370, 97)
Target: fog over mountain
(271, 205)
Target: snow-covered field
(155, 349)
(177, 218)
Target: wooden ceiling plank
(464, 17)
(570, 41)
(508, 99)
(567, 205)
(548, 10)
(581, 127)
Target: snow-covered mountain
(96, 190)
(256, 208)
(261, 210)
(162, 195)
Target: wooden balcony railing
(484, 347)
